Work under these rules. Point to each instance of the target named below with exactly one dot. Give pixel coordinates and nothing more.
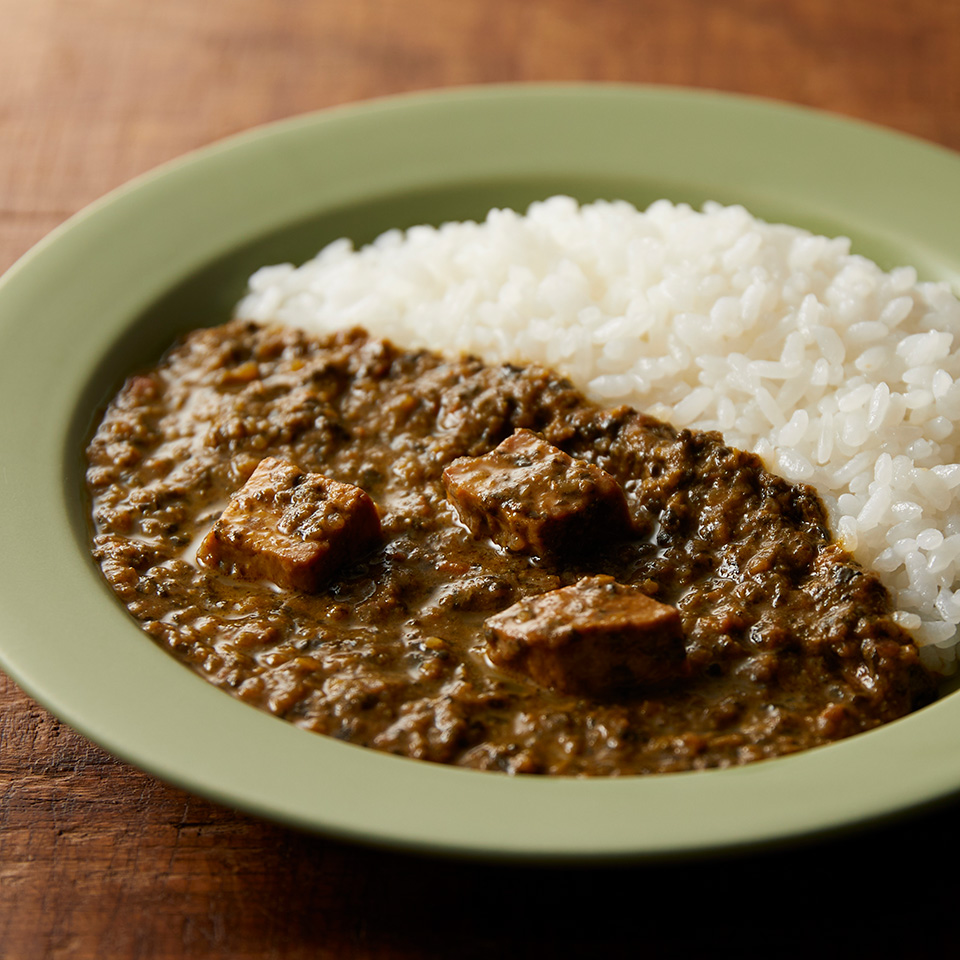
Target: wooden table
(99, 860)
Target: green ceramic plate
(171, 251)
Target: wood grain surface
(99, 860)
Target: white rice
(836, 373)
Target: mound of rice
(836, 373)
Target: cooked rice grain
(835, 372)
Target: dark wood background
(99, 860)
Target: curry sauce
(777, 640)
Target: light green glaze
(109, 289)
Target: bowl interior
(208, 295)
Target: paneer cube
(593, 638)
(530, 497)
(293, 528)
